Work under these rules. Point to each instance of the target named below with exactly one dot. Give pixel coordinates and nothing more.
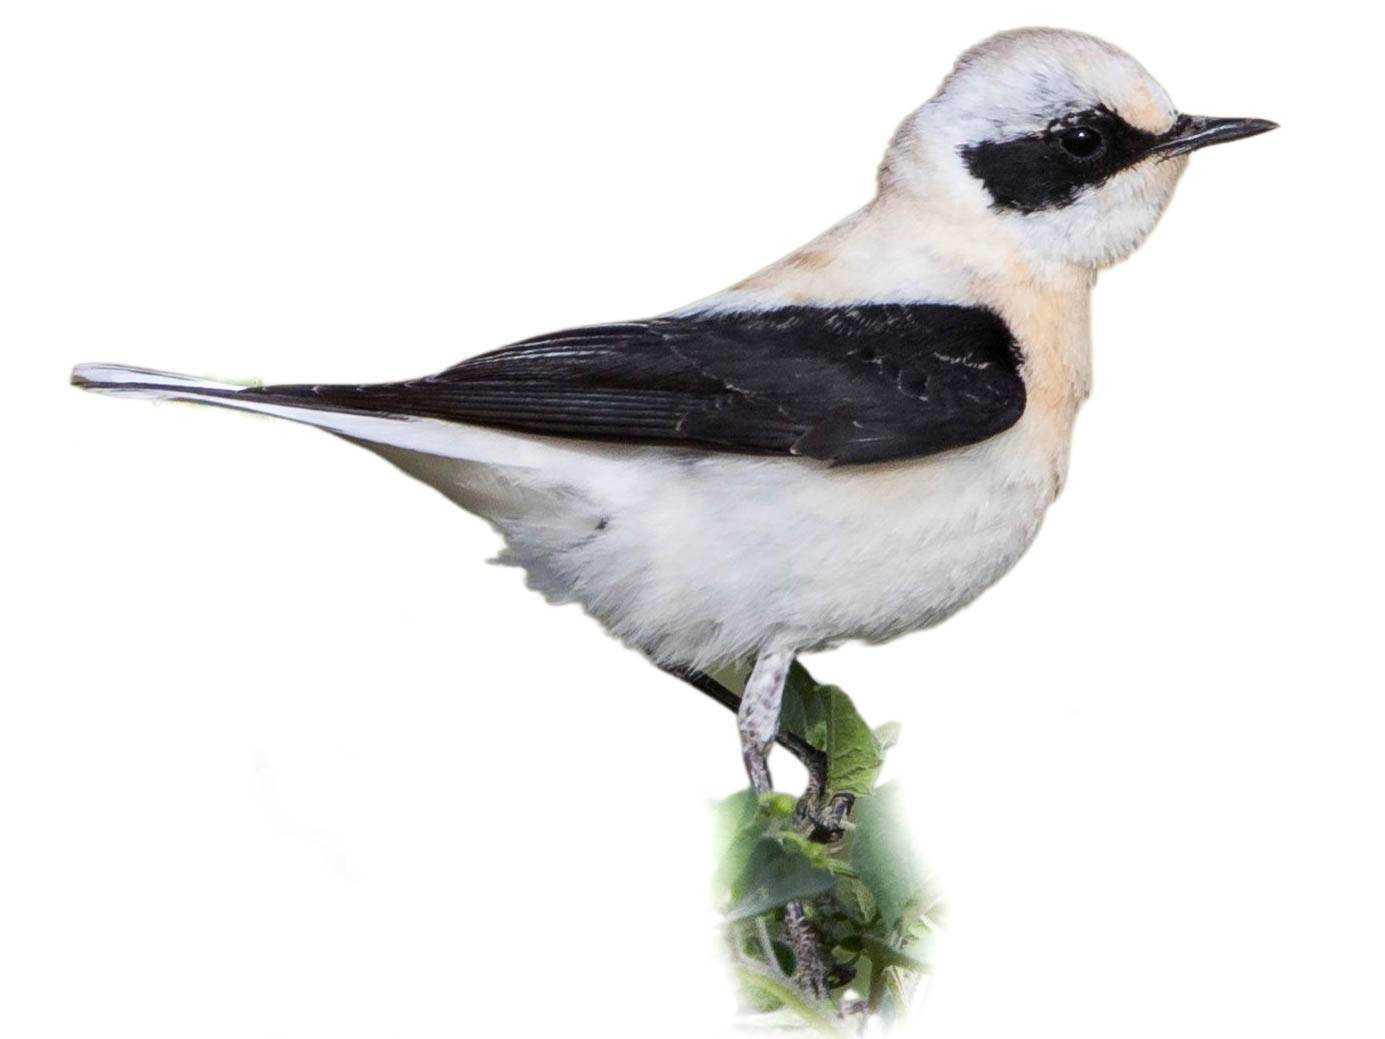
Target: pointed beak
(1191, 132)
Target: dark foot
(819, 815)
(823, 824)
(811, 968)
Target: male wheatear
(851, 444)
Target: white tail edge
(426, 435)
(140, 382)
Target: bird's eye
(1081, 142)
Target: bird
(852, 443)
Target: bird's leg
(757, 713)
(812, 759)
(811, 969)
(757, 717)
(821, 819)
(758, 720)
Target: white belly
(707, 559)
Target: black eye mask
(1047, 170)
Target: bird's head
(1055, 142)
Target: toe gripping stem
(820, 814)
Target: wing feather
(869, 383)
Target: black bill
(1191, 132)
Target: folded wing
(847, 385)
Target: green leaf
(772, 876)
(887, 735)
(883, 859)
(780, 806)
(738, 823)
(855, 898)
(854, 756)
(820, 855)
(802, 708)
(730, 816)
(825, 717)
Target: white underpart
(709, 559)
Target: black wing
(866, 383)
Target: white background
(279, 756)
